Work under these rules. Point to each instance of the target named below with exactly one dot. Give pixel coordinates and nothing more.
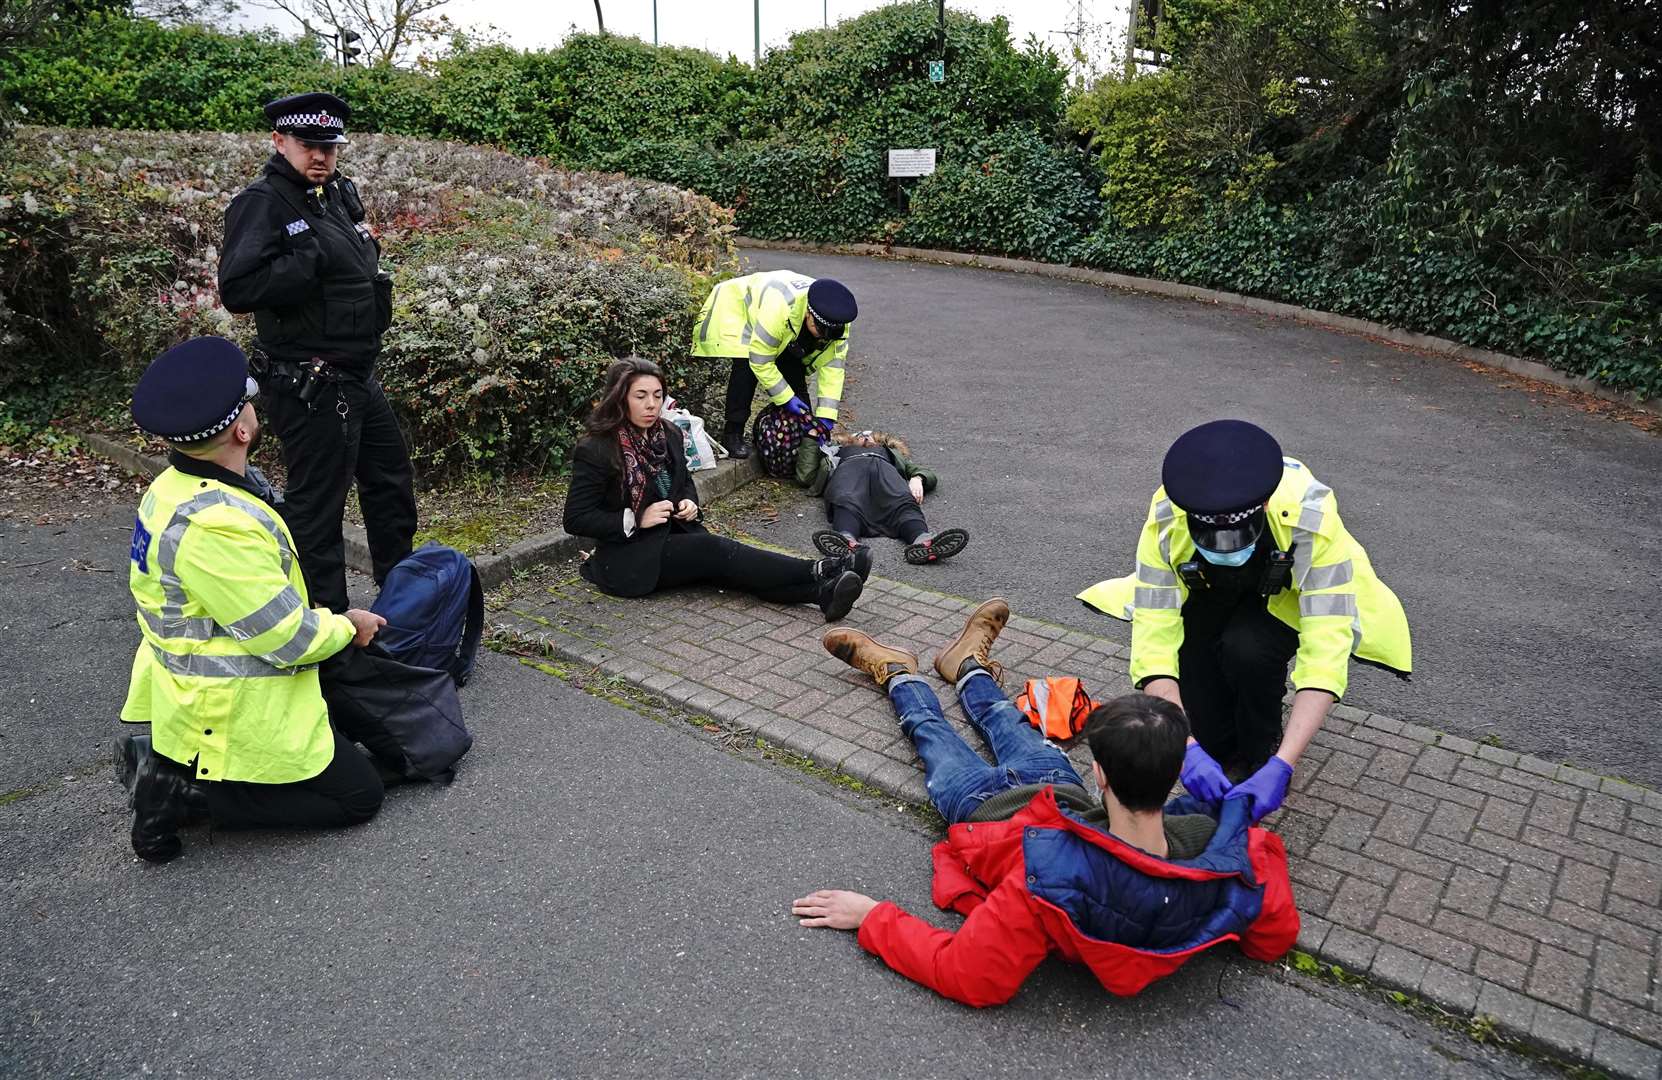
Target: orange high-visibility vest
(1057, 706)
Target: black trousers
(741, 388)
(1233, 662)
(347, 792)
(909, 527)
(323, 456)
(708, 559)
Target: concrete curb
(494, 569)
(1532, 369)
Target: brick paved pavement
(1482, 881)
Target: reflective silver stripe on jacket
(1340, 604)
(234, 666)
(1318, 604)
(190, 628)
(1164, 514)
(1329, 577)
(1310, 517)
(1157, 576)
(784, 290)
(172, 623)
(766, 337)
(1154, 599)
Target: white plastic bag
(701, 449)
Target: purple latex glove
(800, 408)
(1202, 777)
(1264, 789)
(825, 424)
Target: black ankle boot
(738, 446)
(164, 800)
(859, 561)
(837, 592)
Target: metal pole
(825, 14)
(654, 22)
(758, 23)
(940, 9)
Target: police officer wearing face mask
(1244, 567)
(300, 256)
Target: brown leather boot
(861, 652)
(981, 629)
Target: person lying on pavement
(872, 488)
(1125, 885)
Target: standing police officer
(1243, 567)
(778, 327)
(300, 257)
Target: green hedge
(1436, 203)
(516, 284)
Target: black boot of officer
(162, 796)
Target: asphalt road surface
(1519, 534)
(598, 894)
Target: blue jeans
(957, 778)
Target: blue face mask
(1233, 558)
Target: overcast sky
(725, 26)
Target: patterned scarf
(645, 459)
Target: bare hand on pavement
(837, 908)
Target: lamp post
(758, 25)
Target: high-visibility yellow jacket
(757, 316)
(227, 671)
(1335, 601)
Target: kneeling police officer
(226, 673)
(1243, 567)
(299, 255)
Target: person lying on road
(1124, 886)
(872, 488)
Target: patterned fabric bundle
(775, 436)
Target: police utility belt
(305, 380)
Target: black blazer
(622, 565)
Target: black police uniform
(300, 257)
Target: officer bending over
(778, 327)
(1243, 567)
(300, 257)
(226, 674)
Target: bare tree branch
(391, 29)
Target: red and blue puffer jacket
(1045, 880)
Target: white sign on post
(919, 162)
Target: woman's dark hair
(612, 412)
(1139, 741)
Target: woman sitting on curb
(871, 488)
(631, 493)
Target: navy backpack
(435, 611)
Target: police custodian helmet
(193, 391)
(311, 118)
(1221, 474)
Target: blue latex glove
(800, 408)
(1202, 777)
(1264, 789)
(825, 424)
